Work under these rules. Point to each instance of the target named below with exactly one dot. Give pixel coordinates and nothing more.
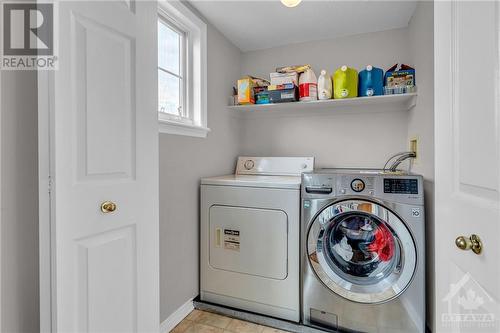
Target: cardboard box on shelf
(284, 78)
(400, 76)
(245, 91)
(262, 98)
(284, 95)
(399, 79)
(281, 86)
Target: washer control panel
(333, 183)
(357, 184)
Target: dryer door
(249, 241)
(361, 251)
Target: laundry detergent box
(245, 91)
(400, 75)
(284, 95)
(262, 98)
(261, 95)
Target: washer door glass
(361, 251)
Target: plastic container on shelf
(345, 83)
(371, 81)
(324, 86)
(308, 86)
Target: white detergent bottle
(308, 90)
(324, 86)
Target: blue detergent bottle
(371, 81)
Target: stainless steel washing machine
(362, 249)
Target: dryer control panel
(274, 166)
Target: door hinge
(49, 185)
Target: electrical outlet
(414, 148)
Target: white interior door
(467, 101)
(98, 122)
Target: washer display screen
(400, 186)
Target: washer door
(361, 251)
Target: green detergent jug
(345, 83)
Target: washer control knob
(342, 191)
(357, 185)
(303, 166)
(370, 192)
(249, 164)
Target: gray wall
(341, 140)
(421, 125)
(183, 161)
(19, 202)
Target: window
(182, 80)
(171, 72)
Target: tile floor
(206, 322)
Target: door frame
(1, 113)
(46, 262)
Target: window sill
(177, 128)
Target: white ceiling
(253, 25)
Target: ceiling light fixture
(291, 3)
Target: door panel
(475, 101)
(467, 164)
(107, 268)
(103, 130)
(105, 100)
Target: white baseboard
(176, 317)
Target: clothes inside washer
(344, 249)
(360, 246)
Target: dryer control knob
(249, 164)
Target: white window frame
(194, 65)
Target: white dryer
(250, 236)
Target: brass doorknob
(108, 207)
(472, 243)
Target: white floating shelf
(384, 103)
